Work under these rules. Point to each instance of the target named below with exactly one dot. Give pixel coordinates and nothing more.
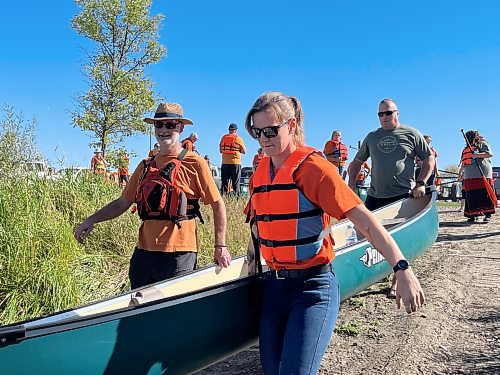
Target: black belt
(301, 273)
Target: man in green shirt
(392, 148)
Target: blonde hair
(284, 107)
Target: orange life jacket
(339, 151)
(256, 160)
(291, 228)
(363, 172)
(229, 145)
(185, 144)
(467, 155)
(159, 198)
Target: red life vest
(339, 151)
(291, 228)
(159, 198)
(229, 145)
(467, 155)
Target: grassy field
(43, 269)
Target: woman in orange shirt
(301, 293)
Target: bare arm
(426, 171)
(221, 254)
(482, 155)
(353, 172)
(409, 290)
(108, 212)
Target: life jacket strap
(294, 215)
(268, 188)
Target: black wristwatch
(401, 265)
(420, 183)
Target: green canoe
(185, 324)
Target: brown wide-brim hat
(168, 111)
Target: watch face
(403, 264)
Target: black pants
(148, 267)
(373, 203)
(230, 172)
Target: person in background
(418, 163)
(362, 175)
(155, 150)
(207, 159)
(477, 201)
(231, 147)
(335, 151)
(257, 158)
(212, 167)
(123, 169)
(98, 163)
(301, 293)
(188, 143)
(392, 149)
(167, 244)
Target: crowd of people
(291, 181)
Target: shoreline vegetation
(44, 270)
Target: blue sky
(440, 61)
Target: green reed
(43, 269)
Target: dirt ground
(457, 332)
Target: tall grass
(43, 269)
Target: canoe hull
(178, 337)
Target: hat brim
(184, 121)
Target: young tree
(17, 143)
(126, 42)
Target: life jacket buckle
(278, 275)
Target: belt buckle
(278, 275)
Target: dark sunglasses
(268, 131)
(386, 113)
(168, 124)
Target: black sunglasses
(386, 113)
(168, 124)
(268, 131)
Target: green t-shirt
(393, 153)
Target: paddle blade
(491, 192)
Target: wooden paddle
(489, 189)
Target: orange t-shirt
(195, 179)
(322, 184)
(188, 144)
(124, 163)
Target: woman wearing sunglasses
(167, 244)
(294, 193)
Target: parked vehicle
(216, 175)
(246, 174)
(38, 169)
(496, 177)
(72, 173)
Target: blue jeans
(297, 321)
